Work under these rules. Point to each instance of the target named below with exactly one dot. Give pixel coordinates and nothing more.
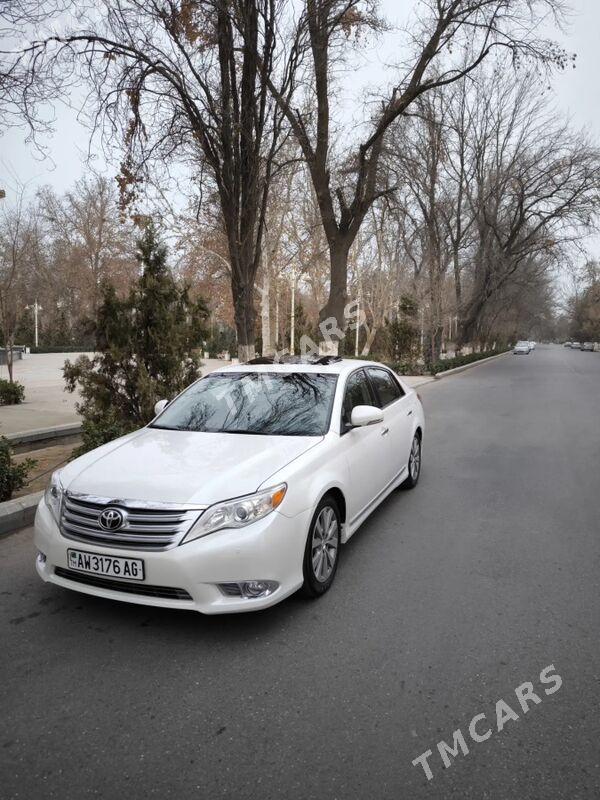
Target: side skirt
(351, 527)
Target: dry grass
(48, 459)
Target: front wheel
(414, 463)
(322, 549)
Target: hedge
(399, 367)
(82, 348)
(11, 394)
(410, 368)
(12, 476)
(460, 361)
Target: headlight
(237, 513)
(53, 495)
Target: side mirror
(160, 406)
(365, 415)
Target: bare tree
(492, 184)
(17, 239)
(347, 188)
(177, 82)
(584, 307)
(275, 260)
(85, 232)
(523, 308)
(418, 150)
(536, 190)
(379, 270)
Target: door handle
(384, 431)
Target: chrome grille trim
(148, 526)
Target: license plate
(110, 566)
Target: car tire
(322, 545)
(415, 461)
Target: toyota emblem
(111, 519)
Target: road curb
(30, 440)
(419, 380)
(463, 367)
(18, 513)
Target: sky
(577, 93)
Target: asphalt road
(447, 599)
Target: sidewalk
(417, 380)
(46, 402)
(48, 405)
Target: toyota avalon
(241, 491)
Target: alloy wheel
(324, 544)
(414, 462)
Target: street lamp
(36, 308)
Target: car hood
(167, 466)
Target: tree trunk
(244, 314)
(293, 315)
(457, 278)
(433, 347)
(265, 311)
(9, 358)
(332, 323)
(470, 317)
(371, 333)
(436, 270)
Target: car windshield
(267, 403)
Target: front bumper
(270, 549)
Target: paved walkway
(47, 404)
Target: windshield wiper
(243, 432)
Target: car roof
(339, 367)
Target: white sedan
(522, 348)
(240, 491)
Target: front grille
(168, 592)
(145, 526)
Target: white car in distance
(240, 491)
(522, 348)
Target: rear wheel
(414, 463)
(322, 548)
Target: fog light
(256, 589)
(249, 590)
(41, 557)
(252, 589)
